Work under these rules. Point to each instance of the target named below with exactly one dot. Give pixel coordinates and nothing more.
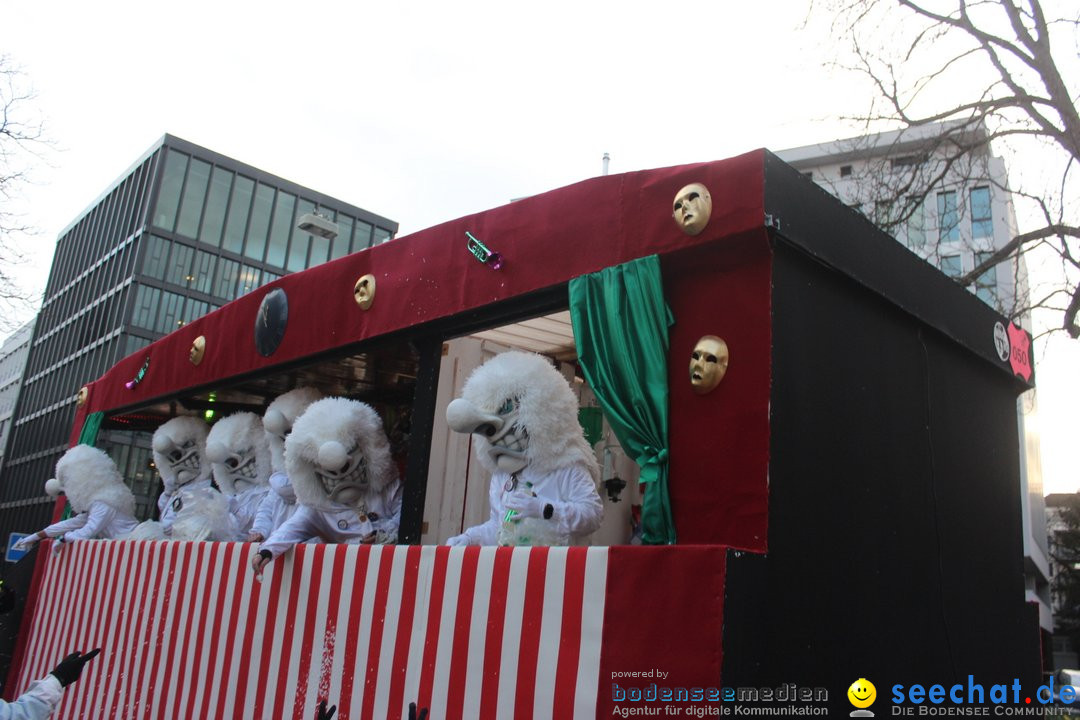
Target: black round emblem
(372, 516)
(342, 524)
(270, 322)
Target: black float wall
(895, 549)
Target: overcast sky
(427, 111)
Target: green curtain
(87, 436)
(621, 330)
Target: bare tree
(22, 141)
(978, 72)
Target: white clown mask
(179, 448)
(239, 453)
(338, 454)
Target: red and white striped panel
(187, 631)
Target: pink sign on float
(1020, 352)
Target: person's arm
(37, 703)
(52, 531)
(263, 524)
(567, 498)
(578, 510)
(301, 526)
(41, 698)
(97, 519)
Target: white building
(954, 210)
(13, 355)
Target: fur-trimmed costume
(103, 505)
(522, 415)
(338, 459)
(240, 458)
(279, 504)
(179, 447)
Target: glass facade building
(184, 231)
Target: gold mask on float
(708, 363)
(692, 208)
(84, 395)
(364, 291)
(198, 349)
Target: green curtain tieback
(652, 462)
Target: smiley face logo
(862, 693)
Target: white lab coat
(345, 524)
(102, 522)
(37, 703)
(577, 507)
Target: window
(225, 278)
(170, 313)
(380, 236)
(194, 310)
(180, 265)
(216, 202)
(845, 170)
(982, 223)
(341, 242)
(986, 283)
(916, 227)
(238, 214)
(146, 304)
(952, 265)
(298, 250)
(155, 257)
(279, 229)
(203, 272)
(194, 195)
(906, 161)
(249, 280)
(361, 236)
(260, 222)
(948, 217)
(172, 182)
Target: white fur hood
(179, 448)
(279, 418)
(331, 432)
(87, 475)
(547, 409)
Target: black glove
(325, 714)
(412, 712)
(70, 668)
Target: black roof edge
(807, 217)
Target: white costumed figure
(522, 415)
(202, 513)
(240, 457)
(338, 458)
(179, 448)
(279, 504)
(104, 506)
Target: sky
(428, 111)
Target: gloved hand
(525, 504)
(28, 542)
(325, 714)
(58, 545)
(255, 537)
(71, 667)
(461, 539)
(412, 712)
(260, 560)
